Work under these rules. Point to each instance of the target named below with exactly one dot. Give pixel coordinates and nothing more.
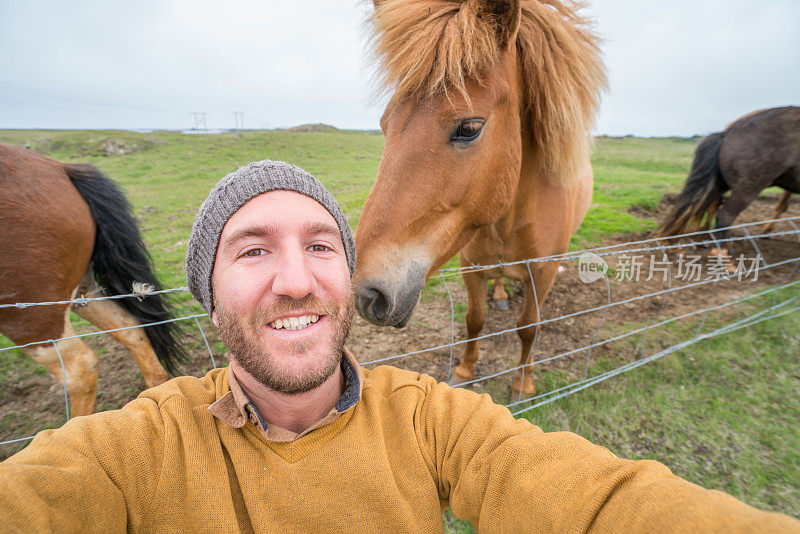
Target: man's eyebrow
(321, 228)
(250, 231)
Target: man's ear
(214, 318)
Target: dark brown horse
(759, 150)
(66, 231)
(487, 153)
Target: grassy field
(723, 414)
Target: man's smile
(294, 322)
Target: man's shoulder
(190, 389)
(387, 380)
(396, 394)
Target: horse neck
(543, 197)
(525, 193)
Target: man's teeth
(294, 323)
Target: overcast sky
(676, 68)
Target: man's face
(282, 295)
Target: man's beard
(243, 344)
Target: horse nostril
(373, 304)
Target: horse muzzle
(384, 303)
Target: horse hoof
(528, 389)
(456, 380)
(501, 304)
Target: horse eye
(468, 130)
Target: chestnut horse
(487, 153)
(67, 231)
(759, 150)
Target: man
(295, 437)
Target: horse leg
(476, 318)
(780, 208)
(736, 203)
(108, 315)
(544, 274)
(499, 295)
(80, 364)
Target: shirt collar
(353, 383)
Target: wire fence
(780, 275)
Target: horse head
(432, 192)
(469, 81)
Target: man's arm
(94, 474)
(506, 475)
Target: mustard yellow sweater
(392, 463)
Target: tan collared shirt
(235, 409)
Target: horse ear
(502, 14)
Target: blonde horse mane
(422, 47)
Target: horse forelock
(423, 47)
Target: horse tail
(120, 259)
(702, 193)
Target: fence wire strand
(635, 247)
(574, 314)
(452, 327)
(64, 374)
(205, 340)
(579, 386)
(631, 333)
(83, 301)
(697, 338)
(599, 326)
(604, 251)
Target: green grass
(631, 173)
(723, 413)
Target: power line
(70, 98)
(59, 100)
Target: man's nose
(294, 277)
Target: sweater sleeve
(505, 475)
(94, 474)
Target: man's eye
(319, 248)
(254, 252)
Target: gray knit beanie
(230, 194)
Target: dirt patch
(101, 146)
(34, 402)
(112, 147)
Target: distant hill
(318, 127)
